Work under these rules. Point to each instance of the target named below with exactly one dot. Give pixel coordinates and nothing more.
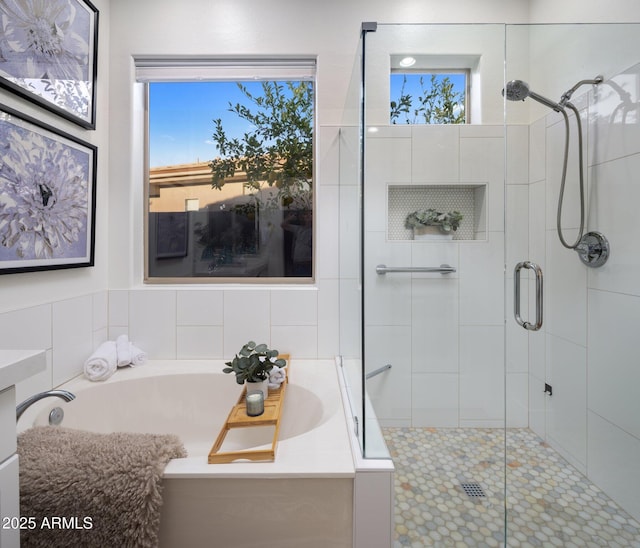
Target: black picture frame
(53, 65)
(47, 196)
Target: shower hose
(564, 177)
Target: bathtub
(304, 498)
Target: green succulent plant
(253, 363)
(430, 217)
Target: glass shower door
(434, 306)
(573, 471)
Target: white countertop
(17, 365)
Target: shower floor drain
(473, 489)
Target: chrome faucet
(64, 394)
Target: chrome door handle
(516, 295)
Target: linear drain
(473, 489)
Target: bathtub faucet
(64, 394)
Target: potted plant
(433, 222)
(253, 364)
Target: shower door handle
(516, 295)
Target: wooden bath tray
(238, 418)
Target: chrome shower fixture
(518, 90)
(593, 247)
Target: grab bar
(516, 295)
(377, 371)
(382, 269)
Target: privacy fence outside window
(230, 170)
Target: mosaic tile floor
(549, 502)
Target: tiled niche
(468, 199)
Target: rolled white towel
(138, 357)
(102, 363)
(277, 376)
(123, 348)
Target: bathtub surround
(116, 503)
(309, 488)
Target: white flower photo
(47, 54)
(47, 182)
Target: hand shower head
(518, 90)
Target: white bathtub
(303, 498)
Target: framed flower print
(48, 53)
(47, 196)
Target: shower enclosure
(430, 341)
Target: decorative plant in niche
(446, 222)
(253, 363)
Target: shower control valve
(593, 249)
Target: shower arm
(567, 94)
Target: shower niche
(468, 199)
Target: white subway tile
(294, 306)
(100, 310)
(153, 322)
(299, 341)
(27, 328)
(434, 326)
(328, 318)
(247, 316)
(434, 398)
(118, 307)
(327, 242)
(565, 288)
(328, 155)
(199, 342)
(613, 211)
(614, 374)
(481, 373)
(72, 337)
(482, 281)
(567, 408)
(614, 463)
(435, 154)
(200, 307)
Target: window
(423, 94)
(230, 170)
(428, 98)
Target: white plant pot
(430, 233)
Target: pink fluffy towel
(92, 490)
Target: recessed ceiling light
(407, 62)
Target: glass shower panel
(573, 442)
(434, 305)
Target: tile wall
(444, 335)
(586, 351)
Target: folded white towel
(102, 363)
(138, 357)
(123, 348)
(277, 376)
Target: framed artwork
(47, 196)
(48, 55)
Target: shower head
(518, 90)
